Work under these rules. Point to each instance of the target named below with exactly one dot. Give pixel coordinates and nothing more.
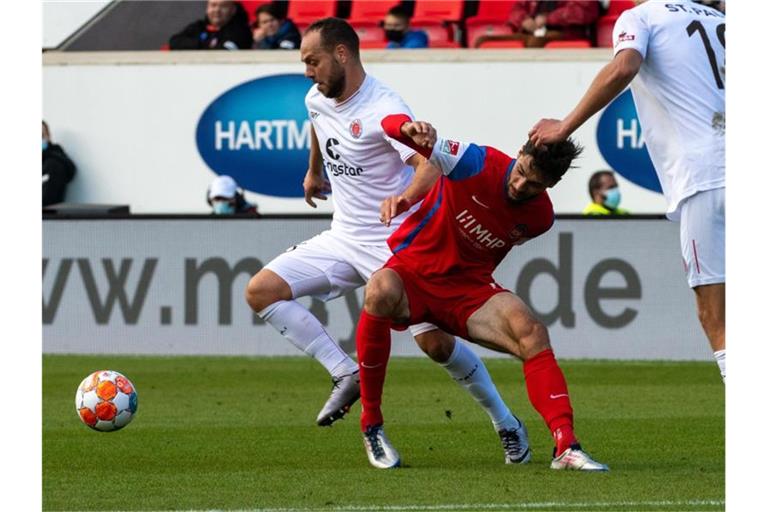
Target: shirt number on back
(696, 26)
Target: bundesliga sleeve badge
(450, 147)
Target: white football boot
(381, 453)
(575, 458)
(344, 393)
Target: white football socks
(301, 328)
(469, 371)
(720, 358)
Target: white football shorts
(328, 265)
(702, 237)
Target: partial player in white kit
(673, 54)
(373, 181)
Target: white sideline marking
(610, 505)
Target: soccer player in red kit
(444, 256)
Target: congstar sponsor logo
(258, 132)
(621, 143)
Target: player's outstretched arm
(315, 184)
(609, 83)
(425, 176)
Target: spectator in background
(604, 191)
(397, 29)
(272, 31)
(538, 22)
(58, 170)
(225, 27)
(225, 198)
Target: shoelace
(510, 441)
(373, 440)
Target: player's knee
(533, 339)
(262, 291)
(381, 296)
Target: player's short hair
(335, 31)
(273, 9)
(399, 11)
(595, 179)
(553, 160)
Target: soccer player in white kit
(373, 181)
(673, 54)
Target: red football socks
(548, 394)
(374, 341)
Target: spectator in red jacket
(538, 22)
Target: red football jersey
(467, 222)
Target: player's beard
(336, 82)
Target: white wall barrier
(151, 129)
(607, 289)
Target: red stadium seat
(373, 45)
(501, 44)
(491, 12)
(439, 20)
(616, 7)
(430, 11)
(369, 13)
(304, 13)
(474, 32)
(575, 43)
(370, 34)
(439, 35)
(604, 26)
(604, 31)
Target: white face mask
(223, 208)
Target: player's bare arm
(315, 184)
(426, 173)
(609, 83)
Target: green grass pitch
(238, 433)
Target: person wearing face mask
(605, 194)
(225, 199)
(58, 170)
(398, 33)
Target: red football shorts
(445, 301)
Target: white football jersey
(363, 164)
(679, 92)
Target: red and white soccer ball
(106, 401)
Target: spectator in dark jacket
(58, 170)
(538, 22)
(225, 27)
(274, 32)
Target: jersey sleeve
(631, 32)
(404, 151)
(457, 160)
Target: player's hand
(393, 206)
(315, 187)
(540, 20)
(421, 132)
(547, 131)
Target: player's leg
(385, 300)
(702, 241)
(469, 372)
(504, 322)
(271, 293)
